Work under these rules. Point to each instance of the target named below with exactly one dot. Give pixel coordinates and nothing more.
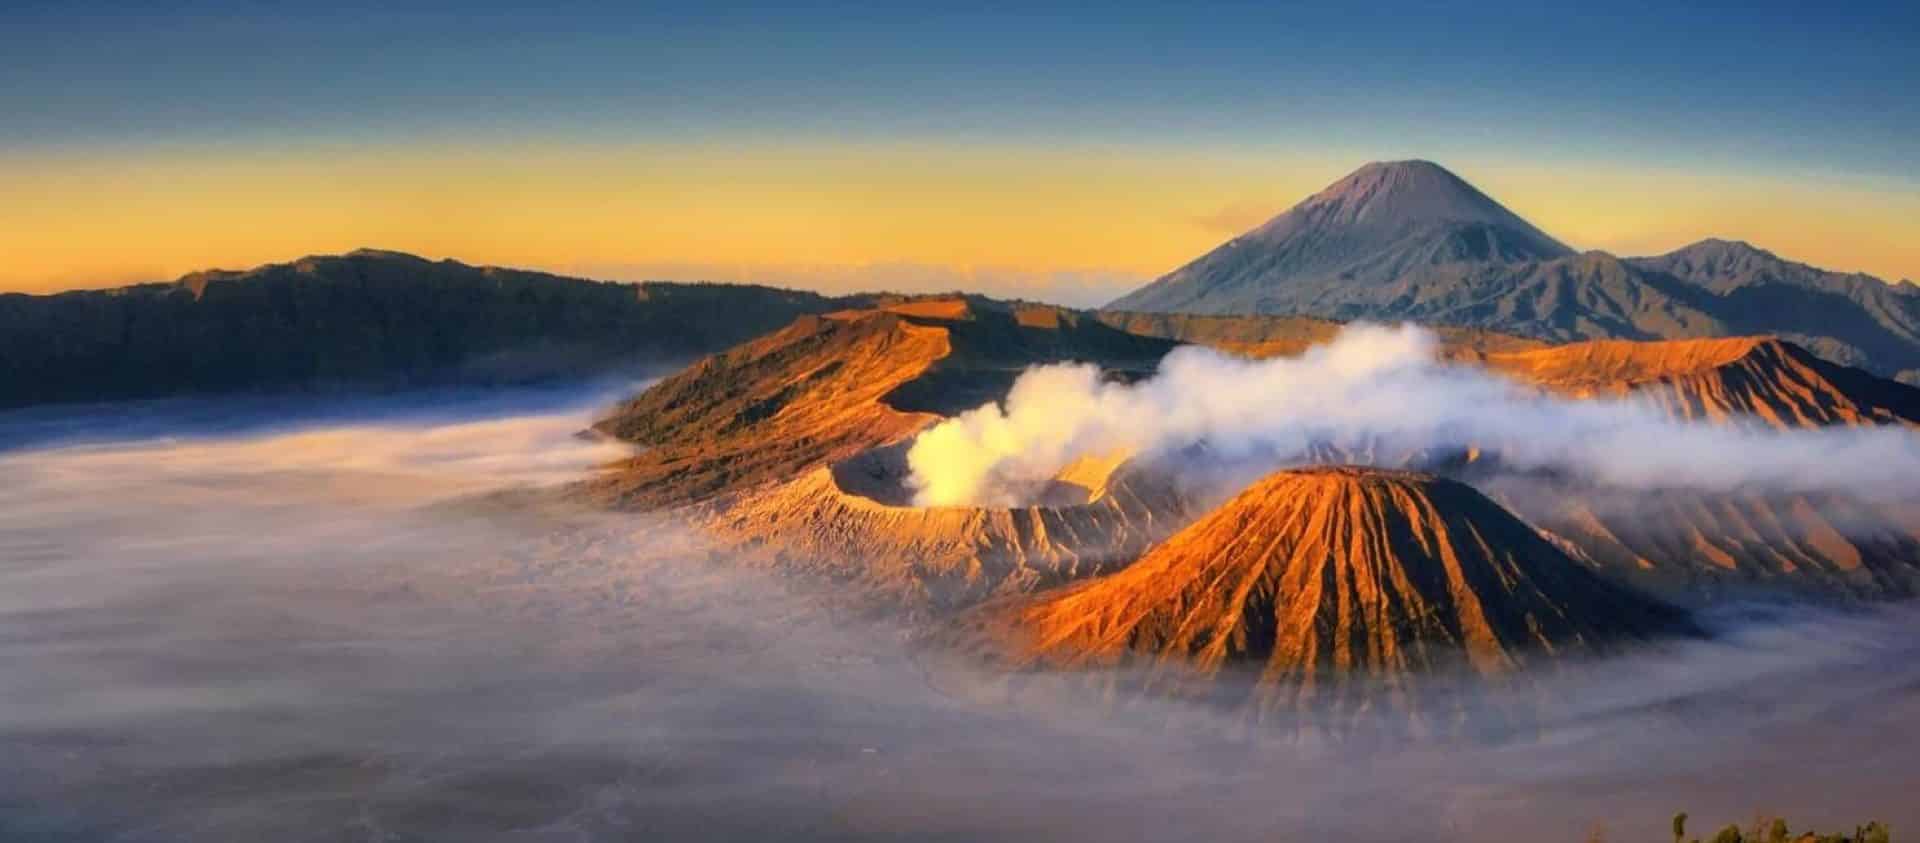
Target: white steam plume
(1376, 390)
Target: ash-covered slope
(1324, 575)
(828, 388)
(853, 523)
(1379, 223)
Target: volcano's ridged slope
(1324, 578)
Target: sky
(1062, 152)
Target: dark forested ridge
(367, 318)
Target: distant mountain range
(1393, 241)
(1409, 240)
(367, 318)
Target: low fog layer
(1382, 391)
(317, 634)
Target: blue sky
(1814, 85)
(1810, 94)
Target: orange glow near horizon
(1090, 222)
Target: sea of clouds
(333, 630)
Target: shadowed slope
(1321, 575)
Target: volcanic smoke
(1378, 394)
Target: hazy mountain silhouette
(365, 318)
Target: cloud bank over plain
(310, 634)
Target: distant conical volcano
(1378, 223)
(1325, 575)
(1385, 197)
(1410, 241)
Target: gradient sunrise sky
(1063, 152)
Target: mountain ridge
(367, 319)
(830, 386)
(1763, 380)
(1416, 267)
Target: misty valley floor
(304, 631)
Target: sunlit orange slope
(1318, 575)
(828, 388)
(1760, 380)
